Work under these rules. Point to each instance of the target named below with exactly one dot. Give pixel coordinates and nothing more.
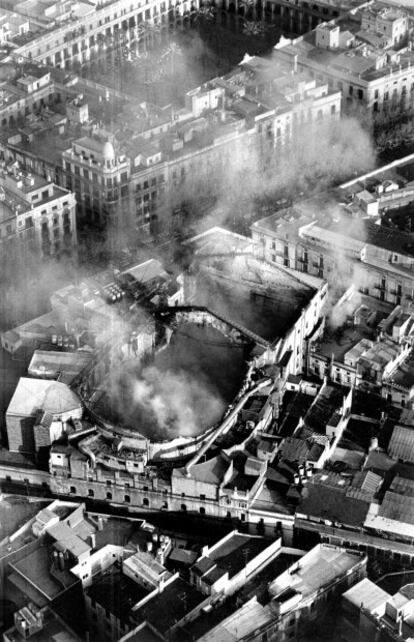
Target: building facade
(36, 214)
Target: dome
(108, 151)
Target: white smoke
(175, 402)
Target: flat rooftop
(378, 235)
(234, 553)
(53, 629)
(35, 568)
(316, 569)
(116, 592)
(64, 366)
(176, 600)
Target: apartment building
(367, 56)
(254, 110)
(336, 240)
(37, 213)
(32, 90)
(99, 177)
(62, 43)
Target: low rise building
(368, 612)
(38, 624)
(31, 91)
(296, 598)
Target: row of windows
(150, 183)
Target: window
(127, 499)
(91, 493)
(202, 510)
(108, 495)
(73, 490)
(183, 508)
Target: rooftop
(317, 568)
(34, 394)
(64, 366)
(404, 375)
(53, 628)
(168, 607)
(67, 540)
(369, 232)
(34, 567)
(209, 472)
(146, 272)
(230, 556)
(328, 496)
(367, 594)
(326, 404)
(116, 592)
(401, 445)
